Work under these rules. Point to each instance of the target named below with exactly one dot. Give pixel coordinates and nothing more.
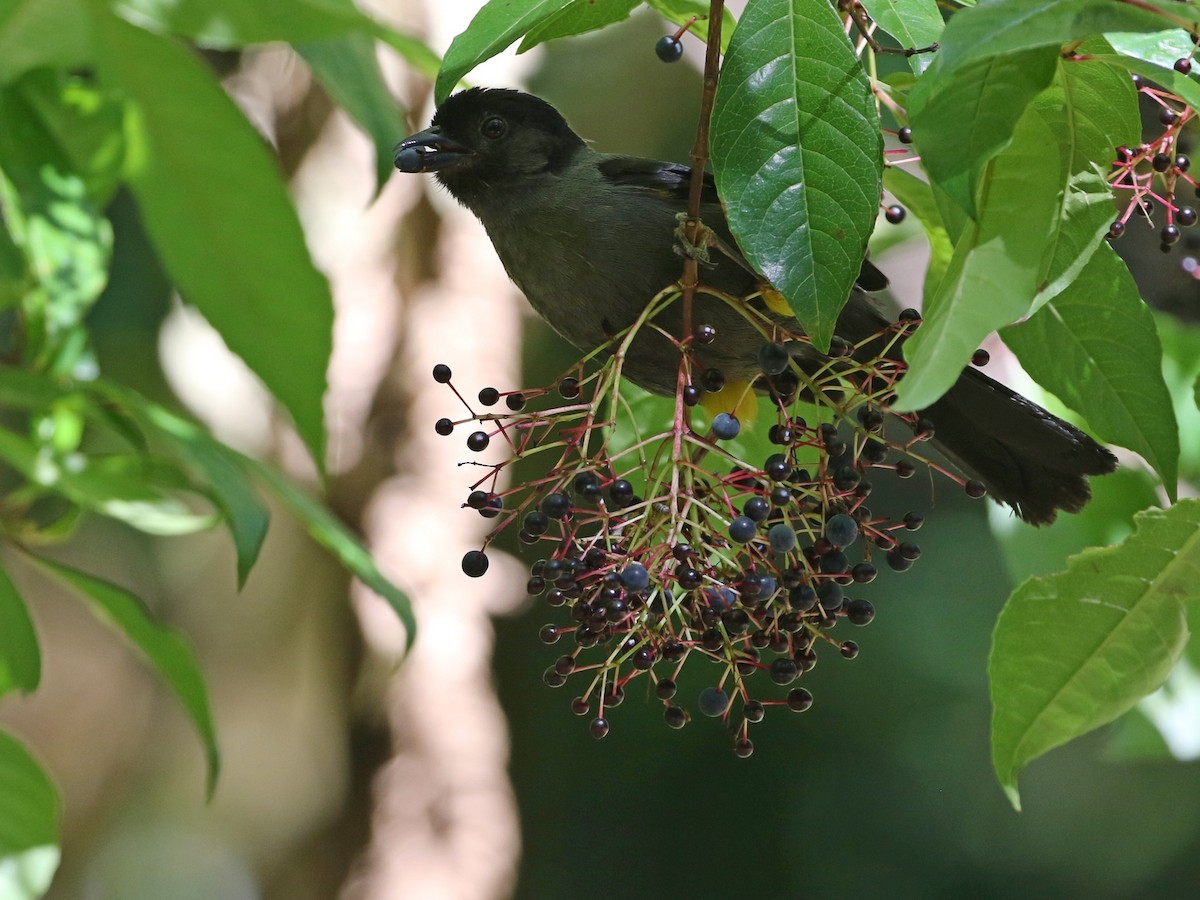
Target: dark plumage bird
(589, 238)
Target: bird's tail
(1025, 456)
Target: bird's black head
(481, 139)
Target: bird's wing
(673, 181)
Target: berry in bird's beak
(429, 151)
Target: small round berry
(691, 395)
(553, 679)
(1138, 81)
(834, 563)
(673, 651)
(443, 427)
(743, 748)
(848, 649)
(704, 334)
(478, 499)
(913, 521)
(536, 522)
(549, 634)
(782, 538)
(781, 435)
(781, 495)
(1183, 162)
(634, 577)
(1168, 116)
(753, 711)
(555, 505)
(712, 380)
(1116, 229)
(669, 48)
(841, 530)
(665, 689)
(980, 358)
(441, 373)
(489, 396)
(614, 696)
(895, 214)
(599, 727)
(756, 508)
(580, 706)
(898, 563)
(474, 563)
(863, 573)
(831, 595)
(1144, 207)
(784, 670)
(535, 585)
(975, 489)
(860, 612)
(675, 716)
(1183, 65)
(515, 402)
(904, 135)
(1170, 234)
(909, 315)
(478, 440)
(773, 358)
(725, 426)
(713, 702)
(568, 388)
(1185, 216)
(1160, 162)
(799, 699)
(742, 529)
(802, 598)
(870, 418)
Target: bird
(590, 238)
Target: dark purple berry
(713, 702)
(1185, 216)
(441, 373)
(799, 699)
(555, 505)
(980, 358)
(742, 529)
(665, 689)
(712, 380)
(515, 402)
(1183, 65)
(598, 728)
(773, 358)
(704, 334)
(669, 48)
(489, 396)
(1160, 162)
(904, 135)
(757, 508)
(675, 716)
(443, 427)
(478, 440)
(1170, 234)
(860, 612)
(1116, 229)
(569, 389)
(743, 748)
(975, 489)
(725, 426)
(895, 214)
(848, 649)
(474, 563)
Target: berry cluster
(661, 544)
(1152, 174)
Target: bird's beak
(429, 151)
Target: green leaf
(164, 648)
(20, 659)
(211, 463)
(918, 199)
(331, 534)
(578, 17)
(50, 209)
(913, 23)
(993, 276)
(797, 154)
(1075, 650)
(347, 68)
(1005, 27)
(1092, 108)
(495, 27)
(29, 821)
(1154, 55)
(43, 33)
(230, 24)
(681, 12)
(122, 487)
(221, 219)
(961, 122)
(1095, 347)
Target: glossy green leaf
(122, 487)
(20, 658)
(1005, 27)
(1075, 650)
(51, 211)
(1153, 55)
(797, 154)
(1095, 347)
(961, 121)
(171, 656)
(498, 25)
(210, 463)
(681, 12)
(917, 197)
(914, 24)
(578, 17)
(43, 33)
(221, 219)
(331, 534)
(348, 69)
(29, 823)
(993, 275)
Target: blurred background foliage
(883, 789)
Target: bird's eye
(493, 128)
